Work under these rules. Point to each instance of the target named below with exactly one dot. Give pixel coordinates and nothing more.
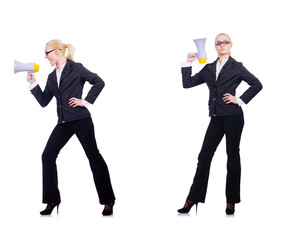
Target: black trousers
(231, 127)
(84, 130)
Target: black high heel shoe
(187, 209)
(48, 210)
(108, 212)
(230, 209)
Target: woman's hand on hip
(228, 98)
(75, 102)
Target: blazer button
(214, 99)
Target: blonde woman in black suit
(66, 84)
(222, 77)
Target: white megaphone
(201, 54)
(25, 67)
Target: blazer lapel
(226, 67)
(212, 69)
(54, 79)
(65, 72)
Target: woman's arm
(96, 82)
(42, 97)
(255, 85)
(187, 78)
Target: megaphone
(25, 67)
(201, 54)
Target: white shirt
(58, 76)
(58, 73)
(219, 67)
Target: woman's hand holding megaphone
(31, 78)
(191, 57)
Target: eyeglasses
(46, 53)
(220, 43)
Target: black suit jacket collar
(226, 67)
(67, 69)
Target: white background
(148, 128)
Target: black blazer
(229, 78)
(73, 78)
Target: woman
(222, 78)
(66, 83)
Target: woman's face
(51, 54)
(223, 45)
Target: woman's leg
(233, 128)
(58, 138)
(84, 130)
(213, 137)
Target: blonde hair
(57, 44)
(227, 35)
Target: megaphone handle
(191, 57)
(29, 79)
